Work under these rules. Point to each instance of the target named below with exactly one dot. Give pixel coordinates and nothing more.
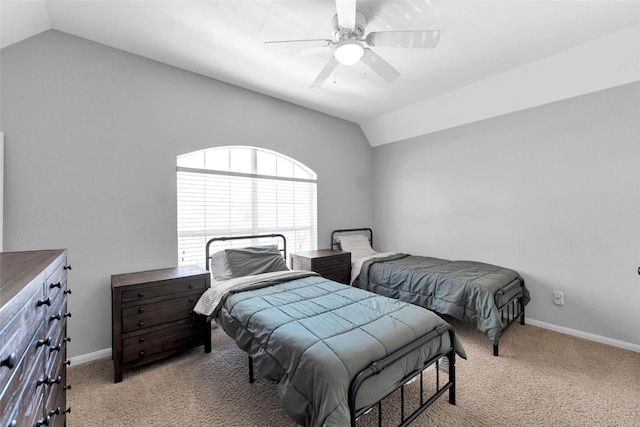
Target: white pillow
(357, 244)
(220, 269)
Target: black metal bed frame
(510, 312)
(378, 366)
(244, 237)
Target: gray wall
(553, 192)
(91, 139)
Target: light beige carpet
(541, 378)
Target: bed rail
(511, 311)
(244, 237)
(378, 366)
(335, 244)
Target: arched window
(230, 191)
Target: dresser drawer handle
(56, 348)
(9, 361)
(44, 380)
(190, 286)
(40, 343)
(68, 387)
(67, 267)
(141, 339)
(67, 314)
(52, 381)
(141, 324)
(68, 410)
(141, 310)
(44, 302)
(141, 354)
(67, 362)
(55, 411)
(55, 285)
(67, 292)
(43, 421)
(13, 423)
(140, 294)
(56, 317)
(191, 299)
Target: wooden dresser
(329, 263)
(33, 337)
(153, 318)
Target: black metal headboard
(335, 244)
(245, 237)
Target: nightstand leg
(207, 339)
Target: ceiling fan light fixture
(349, 52)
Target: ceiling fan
(350, 45)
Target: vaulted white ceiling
(493, 57)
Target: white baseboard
(580, 334)
(90, 357)
(101, 354)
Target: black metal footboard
(509, 313)
(378, 366)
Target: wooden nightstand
(153, 318)
(329, 263)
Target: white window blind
(231, 191)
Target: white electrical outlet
(558, 298)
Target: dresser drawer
(147, 292)
(16, 335)
(57, 349)
(22, 388)
(56, 397)
(57, 314)
(56, 283)
(146, 315)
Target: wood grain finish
(153, 318)
(329, 263)
(33, 338)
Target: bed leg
(521, 311)
(495, 350)
(251, 379)
(452, 376)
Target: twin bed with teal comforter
(336, 351)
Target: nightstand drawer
(341, 276)
(146, 315)
(331, 263)
(146, 344)
(142, 293)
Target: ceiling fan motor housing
(340, 34)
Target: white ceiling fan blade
(422, 39)
(325, 72)
(379, 65)
(298, 44)
(346, 10)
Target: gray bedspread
(313, 336)
(466, 290)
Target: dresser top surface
(17, 269)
